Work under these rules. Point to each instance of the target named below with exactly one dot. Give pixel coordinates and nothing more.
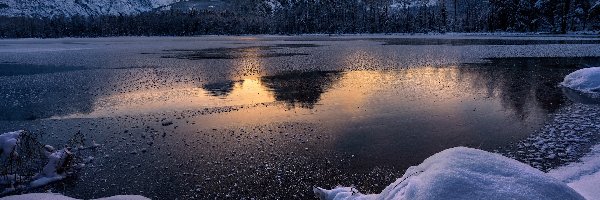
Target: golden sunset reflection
(247, 91)
(348, 91)
(361, 94)
(438, 92)
(250, 61)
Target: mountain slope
(48, 8)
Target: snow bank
(54, 196)
(465, 173)
(583, 176)
(584, 80)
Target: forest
(324, 16)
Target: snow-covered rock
(585, 80)
(465, 173)
(54, 169)
(54, 196)
(59, 162)
(8, 142)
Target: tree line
(325, 16)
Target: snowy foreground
(456, 173)
(465, 173)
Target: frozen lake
(271, 116)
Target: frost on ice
(465, 173)
(585, 80)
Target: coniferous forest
(330, 17)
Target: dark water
(211, 118)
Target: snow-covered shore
(465, 173)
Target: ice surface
(583, 176)
(39, 50)
(54, 196)
(465, 173)
(585, 80)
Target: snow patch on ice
(585, 80)
(465, 173)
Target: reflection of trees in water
(521, 81)
(302, 89)
(222, 89)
